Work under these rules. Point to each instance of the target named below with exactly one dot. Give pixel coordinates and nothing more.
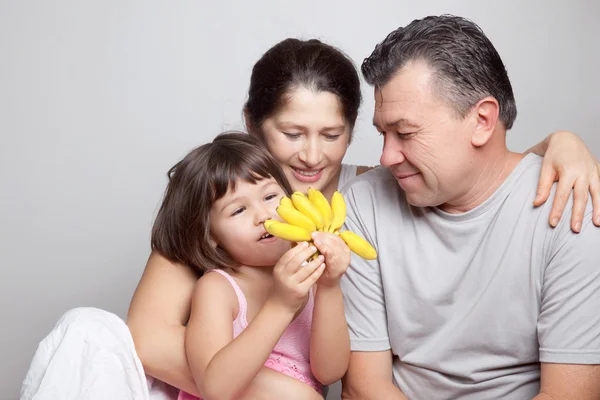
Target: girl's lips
(269, 239)
(307, 178)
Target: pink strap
(243, 306)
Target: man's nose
(392, 153)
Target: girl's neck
(262, 276)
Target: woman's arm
(568, 161)
(157, 317)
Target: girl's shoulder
(216, 288)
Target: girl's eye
(292, 136)
(270, 196)
(238, 211)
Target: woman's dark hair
(181, 231)
(293, 64)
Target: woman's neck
(332, 185)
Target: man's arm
(369, 376)
(569, 381)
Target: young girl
(259, 305)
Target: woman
(303, 103)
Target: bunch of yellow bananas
(305, 214)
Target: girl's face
(309, 138)
(236, 223)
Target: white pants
(89, 355)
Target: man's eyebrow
(398, 122)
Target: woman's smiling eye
(292, 136)
(331, 137)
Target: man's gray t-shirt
(470, 304)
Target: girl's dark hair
(294, 63)
(181, 231)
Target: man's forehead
(412, 80)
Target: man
(474, 295)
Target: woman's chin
(303, 186)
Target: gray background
(98, 99)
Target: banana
(287, 231)
(322, 205)
(304, 205)
(295, 217)
(305, 214)
(286, 201)
(338, 209)
(358, 245)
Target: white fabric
(89, 355)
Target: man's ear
(486, 113)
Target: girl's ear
(212, 242)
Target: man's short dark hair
(466, 65)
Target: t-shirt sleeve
(362, 284)
(569, 320)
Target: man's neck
(491, 169)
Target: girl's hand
(337, 257)
(294, 276)
(568, 161)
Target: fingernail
(314, 235)
(577, 226)
(597, 219)
(313, 248)
(537, 197)
(304, 264)
(321, 257)
(554, 221)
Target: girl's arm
(568, 161)
(224, 367)
(157, 316)
(330, 340)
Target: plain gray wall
(98, 99)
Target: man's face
(427, 145)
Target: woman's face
(308, 137)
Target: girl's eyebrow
(266, 185)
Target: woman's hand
(568, 161)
